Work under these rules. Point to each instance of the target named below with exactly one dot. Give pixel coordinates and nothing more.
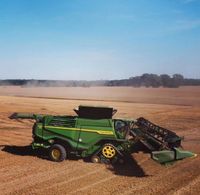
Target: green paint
(86, 136)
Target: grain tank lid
(94, 112)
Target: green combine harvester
(94, 134)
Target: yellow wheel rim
(56, 154)
(108, 151)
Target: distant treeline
(146, 80)
(154, 80)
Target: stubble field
(21, 172)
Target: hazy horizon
(92, 79)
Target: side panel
(92, 131)
(63, 132)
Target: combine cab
(95, 134)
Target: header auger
(95, 134)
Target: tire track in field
(80, 190)
(86, 181)
(155, 179)
(109, 176)
(35, 178)
(120, 183)
(187, 188)
(22, 168)
(59, 180)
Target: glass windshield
(121, 128)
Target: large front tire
(57, 153)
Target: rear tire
(57, 153)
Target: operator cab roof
(95, 112)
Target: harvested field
(24, 173)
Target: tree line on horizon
(145, 80)
(154, 80)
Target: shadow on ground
(130, 168)
(24, 151)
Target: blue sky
(98, 39)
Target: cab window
(120, 128)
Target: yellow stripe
(102, 132)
